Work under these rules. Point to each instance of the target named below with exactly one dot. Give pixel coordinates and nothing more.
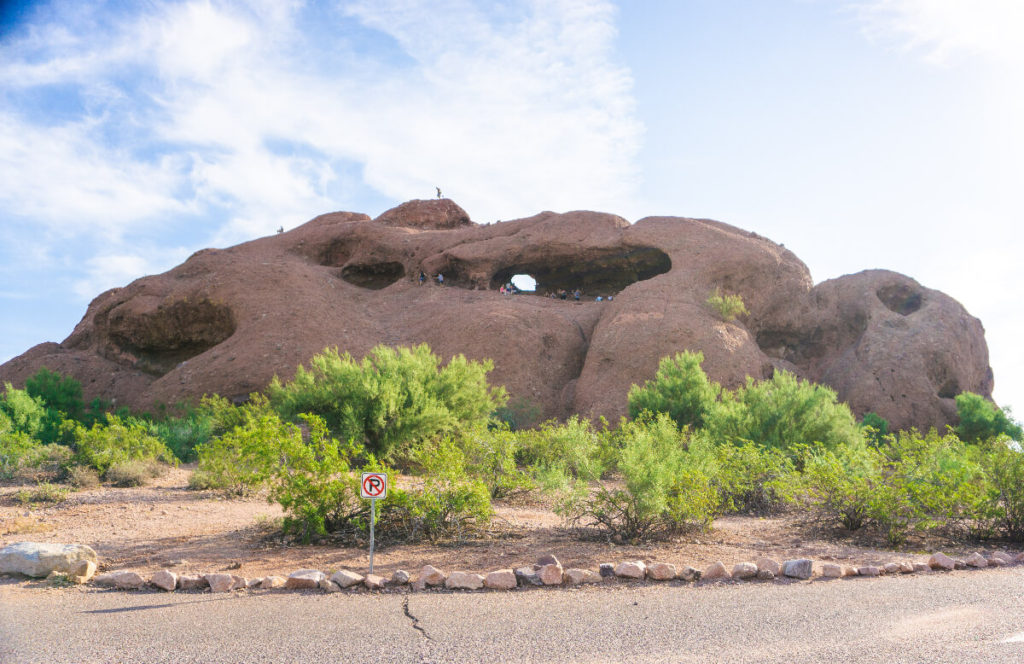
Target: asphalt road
(957, 617)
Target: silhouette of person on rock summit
(438, 191)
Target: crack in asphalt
(414, 619)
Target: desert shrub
(875, 427)
(750, 478)
(116, 441)
(488, 454)
(136, 472)
(1004, 468)
(783, 413)
(660, 490)
(981, 419)
(82, 477)
(183, 433)
(570, 447)
(680, 388)
(392, 399)
(23, 412)
(244, 460)
(519, 413)
(727, 306)
(44, 492)
(840, 482)
(61, 397)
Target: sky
(859, 133)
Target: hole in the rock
(173, 334)
(900, 298)
(949, 389)
(600, 273)
(373, 275)
(523, 283)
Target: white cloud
(109, 270)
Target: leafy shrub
(392, 399)
(751, 479)
(244, 460)
(661, 490)
(571, 446)
(23, 413)
(117, 441)
(841, 482)
(875, 427)
(44, 492)
(183, 434)
(981, 419)
(727, 306)
(1004, 467)
(680, 388)
(519, 413)
(783, 413)
(488, 454)
(82, 477)
(61, 397)
(23, 456)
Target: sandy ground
(166, 525)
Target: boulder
(661, 571)
(849, 570)
(196, 582)
(466, 581)
(575, 576)
(891, 568)
(83, 571)
(831, 571)
(689, 574)
(869, 570)
(220, 582)
(941, 561)
(272, 582)
(801, 568)
(124, 579)
(399, 578)
(501, 579)
(959, 564)
(634, 569)
(239, 582)
(744, 571)
(431, 576)
(164, 580)
(328, 586)
(38, 559)
(921, 567)
(303, 579)
(528, 575)
(906, 567)
(374, 582)
(976, 560)
(550, 574)
(346, 579)
(1001, 556)
(715, 571)
(769, 564)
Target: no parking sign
(374, 485)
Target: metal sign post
(373, 486)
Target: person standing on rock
(440, 279)
(438, 191)
(423, 277)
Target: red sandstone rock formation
(226, 321)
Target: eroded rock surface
(227, 320)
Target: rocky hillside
(227, 320)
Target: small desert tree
(680, 388)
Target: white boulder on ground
(744, 570)
(220, 582)
(921, 567)
(769, 564)
(976, 560)
(849, 570)
(346, 579)
(38, 559)
(165, 580)
(869, 570)
(941, 561)
(891, 568)
(551, 574)
(123, 579)
(302, 579)
(1001, 556)
(801, 568)
(464, 581)
(83, 571)
(831, 571)
(500, 579)
(329, 586)
(273, 581)
(715, 571)
(633, 569)
(374, 582)
(906, 567)
(431, 576)
(661, 571)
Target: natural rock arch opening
(374, 276)
(605, 273)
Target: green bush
(116, 441)
(44, 492)
(727, 306)
(661, 490)
(82, 477)
(842, 481)
(488, 455)
(62, 398)
(570, 447)
(1004, 468)
(244, 460)
(23, 413)
(751, 479)
(135, 472)
(981, 420)
(875, 427)
(783, 413)
(392, 399)
(680, 388)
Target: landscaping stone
(744, 571)
(38, 559)
(500, 579)
(976, 560)
(220, 583)
(1019, 558)
(891, 568)
(574, 576)
(165, 580)
(995, 562)
(550, 574)
(83, 571)
(528, 576)
(765, 575)
(715, 571)
(634, 569)
(303, 579)
(272, 582)
(374, 582)
(329, 586)
(345, 579)
(801, 568)
(868, 570)
(959, 564)
(239, 582)
(253, 582)
(399, 578)
(921, 567)
(768, 564)
(1001, 556)
(661, 571)
(941, 561)
(906, 567)
(607, 570)
(124, 580)
(849, 570)
(689, 574)
(831, 571)
(468, 581)
(432, 576)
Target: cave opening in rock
(596, 273)
(900, 298)
(524, 283)
(374, 276)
